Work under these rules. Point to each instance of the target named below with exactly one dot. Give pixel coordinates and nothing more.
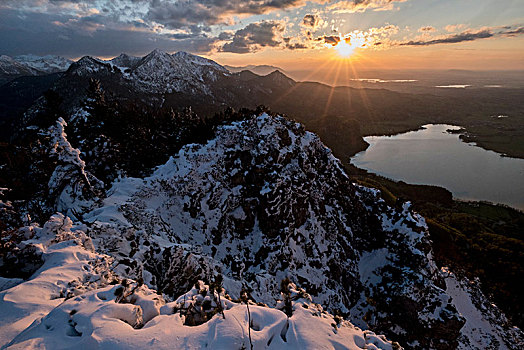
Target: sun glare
(346, 45)
(344, 49)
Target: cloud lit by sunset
(297, 33)
(261, 174)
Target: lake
(433, 156)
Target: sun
(344, 49)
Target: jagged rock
(265, 200)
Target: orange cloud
(352, 6)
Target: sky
(292, 34)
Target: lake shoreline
(467, 136)
(364, 172)
(432, 155)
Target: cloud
(226, 35)
(66, 35)
(454, 27)
(451, 39)
(352, 6)
(297, 46)
(426, 29)
(256, 36)
(468, 35)
(330, 39)
(210, 12)
(514, 32)
(312, 22)
(198, 15)
(374, 38)
(107, 27)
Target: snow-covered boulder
(74, 300)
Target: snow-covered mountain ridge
(31, 65)
(46, 64)
(9, 66)
(261, 201)
(158, 72)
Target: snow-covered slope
(46, 64)
(261, 201)
(162, 72)
(9, 66)
(125, 61)
(266, 200)
(30, 65)
(75, 300)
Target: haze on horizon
(317, 35)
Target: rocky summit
(262, 201)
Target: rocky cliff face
(264, 201)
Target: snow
(64, 261)
(160, 72)
(69, 179)
(194, 216)
(9, 66)
(6, 283)
(481, 329)
(370, 264)
(46, 64)
(38, 314)
(31, 65)
(104, 324)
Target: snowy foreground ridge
(75, 301)
(261, 202)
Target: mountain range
(183, 80)
(129, 220)
(261, 69)
(30, 65)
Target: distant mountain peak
(156, 55)
(277, 72)
(10, 69)
(280, 78)
(157, 52)
(125, 61)
(124, 56)
(183, 53)
(262, 69)
(88, 65)
(46, 64)
(6, 58)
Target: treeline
(475, 239)
(130, 138)
(116, 138)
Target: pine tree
(244, 297)
(52, 109)
(286, 294)
(216, 286)
(95, 104)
